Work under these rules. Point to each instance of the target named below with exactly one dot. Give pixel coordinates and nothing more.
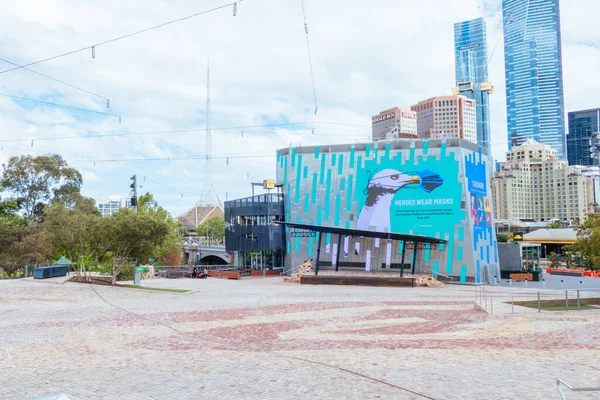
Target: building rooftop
(198, 214)
(551, 236)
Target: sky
(367, 56)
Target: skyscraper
(533, 69)
(582, 125)
(470, 55)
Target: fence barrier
(560, 384)
(493, 299)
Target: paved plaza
(261, 338)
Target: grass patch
(158, 289)
(572, 307)
(587, 303)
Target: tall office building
(582, 125)
(470, 55)
(446, 117)
(394, 123)
(533, 69)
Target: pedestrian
(194, 273)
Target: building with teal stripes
(436, 188)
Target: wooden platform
(357, 280)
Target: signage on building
(269, 184)
(408, 115)
(421, 199)
(480, 209)
(470, 46)
(385, 117)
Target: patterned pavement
(264, 339)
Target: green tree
(35, 181)
(213, 228)
(554, 225)
(127, 236)
(553, 257)
(502, 238)
(574, 258)
(169, 250)
(588, 240)
(74, 232)
(8, 213)
(147, 204)
(21, 245)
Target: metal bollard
(567, 300)
(485, 301)
(526, 283)
(539, 303)
(512, 303)
(510, 282)
(578, 302)
(495, 280)
(562, 284)
(544, 283)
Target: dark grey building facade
(582, 125)
(252, 231)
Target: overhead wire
(93, 47)
(303, 133)
(2, 147)
(146, 177)
(163, 159)
(57, 80)
(154, 180)
(61, 105)
(312, 75)
(172, 131)
(169, 159)
(117, 162)
(312, 134)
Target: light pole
(192, 254)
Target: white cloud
(367, 56)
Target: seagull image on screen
(380, 192)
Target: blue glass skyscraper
(470, 55)
(533, 69)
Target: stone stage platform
(357, 280)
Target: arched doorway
(212, 260)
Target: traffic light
(133, 187)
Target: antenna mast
(207, 190)
(207, 180)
